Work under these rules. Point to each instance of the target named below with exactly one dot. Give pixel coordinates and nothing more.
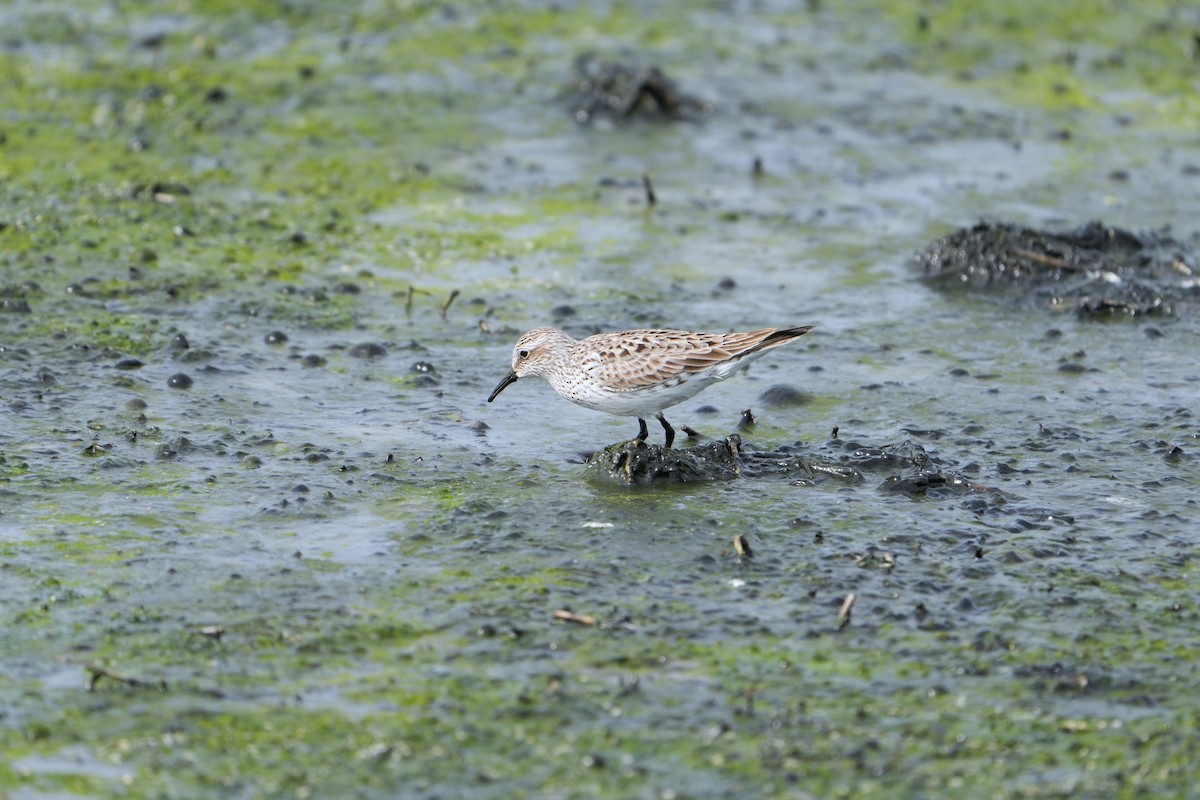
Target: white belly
(645, 401)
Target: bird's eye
(522, 354)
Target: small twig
(750, 694)
(651, 199)
(844, 611)
(570, 616)
(446, 306)
(408, 303)
(99, 671)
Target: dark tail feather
(786, 335)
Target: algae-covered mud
(262, 535)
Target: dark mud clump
(910, 471)
(1094, 271)
(13, 299)
(907, 468)
(622, 90)
(782, 394)
(636, 463)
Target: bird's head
(538, 352)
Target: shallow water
(344, 564)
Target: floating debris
(565, 615)
(623, 90)
(212, 631)
(742, 545)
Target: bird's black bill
(509, 378)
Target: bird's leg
(667, 427)
(642, 432)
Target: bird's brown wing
(633, 359)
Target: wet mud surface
(262, 535)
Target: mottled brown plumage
(638, 373)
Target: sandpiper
(638, 373)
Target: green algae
(1082, 55)
(229, 177)
(753, 733)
